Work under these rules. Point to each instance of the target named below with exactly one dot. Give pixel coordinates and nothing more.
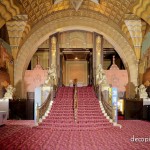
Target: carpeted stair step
(61, 116)
(77, 127)
(68, 120)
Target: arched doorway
(44, 29)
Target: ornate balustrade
(41, 110)
(108, 108)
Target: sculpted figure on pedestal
(51, 75)
(101, 78)
(9, 92)
(142, 91)
(100, 75)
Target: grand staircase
(89, 115)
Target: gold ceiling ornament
(96, 1)
(76, 4)
(57, 1)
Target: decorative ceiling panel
(37, 9)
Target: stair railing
(109, 109)
(75, 103)
(41, 110)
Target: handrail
(109, 109)
(41, 110)
(75, 103)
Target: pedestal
(146, 109)
(3, 117)
(4, 106)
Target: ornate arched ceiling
(38, 9)
(113, 9)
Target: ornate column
(97, 53)
(61, 69)
(59, 60)
(90, 69)
(53, 41)
(53, 53)
(99, 50)
(94, 59)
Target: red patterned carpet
(23, 137)
(59, 131)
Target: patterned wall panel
(43, 57)
(76, 39)
(76, 70)
(117, 78)
(34, 78)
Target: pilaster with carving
(15, 28)
(136, 28)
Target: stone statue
(101, 78)
(142, 91)
(100, 75)
(9, 92)
(52, 71)
(51, 75)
